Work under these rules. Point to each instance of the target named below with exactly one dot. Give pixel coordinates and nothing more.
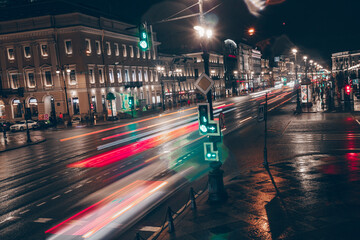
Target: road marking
(57, 196)
(43, 220)
(79, 186)
(149, 229)
(27, 210)
(40, 204)
(43, 180)
(357, 121)
(89, 181)
(68, 191)
(6, 219)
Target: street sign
(261, 113)
(204, 83)
(209, 153)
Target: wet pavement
(310, 191)
(15, 140)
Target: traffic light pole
(216, 187)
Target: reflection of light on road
(98, 216)
(139, 121)
(122, 125)
(121, 153)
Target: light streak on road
(122, 125)
(106, 158)
(133, 122)
(100, 215)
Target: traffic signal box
(347, 89)
(210, 153)
(210, 128)
(206, 125)
(144, 37)
(131, 102)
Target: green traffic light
(209, 155)
(144, 35)
(203, 128)
(143, 44)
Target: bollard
(170, 221)
(192, 199)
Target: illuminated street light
(204, 31)
(305, 58)
(251, 31)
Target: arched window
(33, 105)
(17, 108)
(2, 109)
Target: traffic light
(347, 89)
(131, 102)
(144, 37)
(206, 125)
(210, 154)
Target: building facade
(74, 63)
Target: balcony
(215, 77)
(9, 91)
(173, 78)
(133, 84)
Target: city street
(83, 170)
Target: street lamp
(298, 105)
(294, 51)
(59, 71)
(160, 70)
(217, 191)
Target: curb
(25, 145)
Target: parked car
(21, 126)
(76, 120)
(42, 124)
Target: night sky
(317, 27)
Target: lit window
(14, 78)
(68, 47)
(131, 51)
(101, 75)
(108, 48)
(124, 50)
(44, 50)
(126, 75)
(88, 46)
(118, 74)
(47, 77)
(91, 76)
(137, 52)
(146, 76)
(11, 54)
(27, 52)
(117, 52)
(97, 47)
(140, 75)
(30, 78)
(133, 75)
(72, 77)
(111, 75)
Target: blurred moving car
(21, 126)
(42, 124)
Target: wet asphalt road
(39, 189)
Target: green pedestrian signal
(206, 125)
(210, 153)
(144, 38)
(131, 102)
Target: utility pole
(216, 187)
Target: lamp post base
(217, 193)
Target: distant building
(346, 61)
(89, 57)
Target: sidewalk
(19, 139)
(309, 196)
(310, 204)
